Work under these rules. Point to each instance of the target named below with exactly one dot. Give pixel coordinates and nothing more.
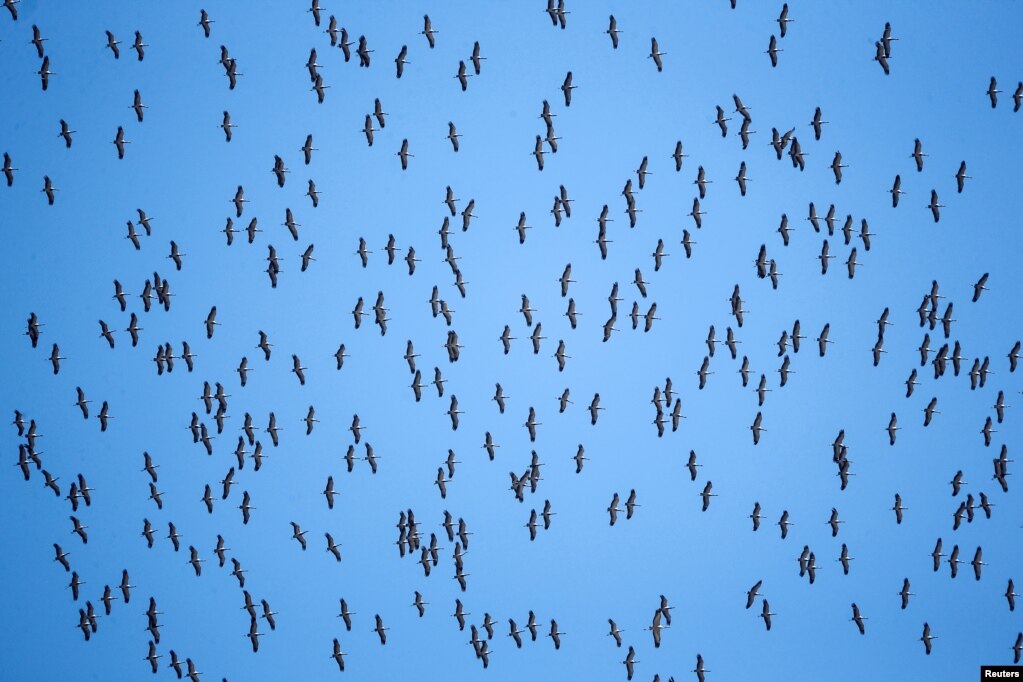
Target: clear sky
(60, 262)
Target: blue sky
(61, 260)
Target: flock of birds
(667, 402)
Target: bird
(404, 155)
(918, 155)
(834, 522)
(905, 594)
(476, 57)
(706, 494)
(857, 618)
(1010, 595)
(615, 632)
(195, 561)
(656, 55)
(934, 206)
(896, 191)
(630, 663)
(428, 31)
(112, 43)
(138, 46)
(817, 121)
(756, 428)
(66, 132)
(766, 614)
(977, 563)
(380, 629)
(980, 287)
(104, 415)
(881, 56)
(929, 411)
(992, 92)
(48, 188)
(961, 177)
(453, 135)
(298, 369)
(44, 72)
(926, 638)
(837, 166)
(332, 547)
(463, 75)
(692, 465)
(613, 509)
(567, 88)
(205, 22)
(298, 534)
(753, 593)
(741, 179)
(613, 31)
(9, 171)
(538, 152)
(773, 50)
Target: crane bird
(298, 534)
(706, 494)
(205, 21)
(630, 662)
(773, 50)
(463, 75)
(977, 563)
(699, 669)
(961, 176)
(834, 522)
(817, 121)
(837, 166)
(918, 155)
(881, 56)
(45, 73)
(615, 632)
(656, 55)
(934, 205)
(476, 57)
(896, 191)
(567, 88)
(926, 638)
(1010, 595)
(66, 132)
(404, 154)
(898, 508)
(138, 46)
(613, 509)
(756, 427)
(298, 369)
(766, 614)
(453, 412)
(992, 93)
(904, 593)
(554, 634)
(858, 618)
(428, 31)
(980, 287)
(753, 593)
(112, 43)
(9, 170)
(453, 135)
(613, 31)
(741, 178)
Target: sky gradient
(61, 260)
